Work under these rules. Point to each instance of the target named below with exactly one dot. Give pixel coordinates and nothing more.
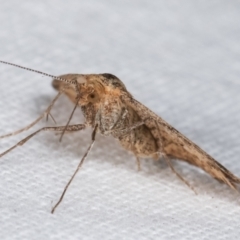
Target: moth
(109, 109)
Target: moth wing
(176, 145)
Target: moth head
(82, 88)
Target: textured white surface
(180, 58)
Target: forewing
(173, 143)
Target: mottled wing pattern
(174, 144)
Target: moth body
(105, 101)
(101, 104)
(111, 110)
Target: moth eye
(92, 96)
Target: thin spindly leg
(78, 167)
(75, 107)
(170, 163)
(47, 112)
(126, 130)
(138, 163)
(178, 175)
(135, 152)
(70, 128)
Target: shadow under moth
(109, 109)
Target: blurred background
(179, 58)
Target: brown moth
(110, 109)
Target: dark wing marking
(176, 145)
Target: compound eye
(92, 95)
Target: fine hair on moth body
(109, 109)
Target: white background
(179, 58)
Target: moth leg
(138, 163)
(49, 114)
(46, 112)
(128, 129)
(135, 152)
(75, 107)
(70, 128)
(178, 175)
(137, 157)
(68, 122)
(78, 167)
(170, 163)
(59, 133)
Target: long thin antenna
(74, 82)
(39, 72)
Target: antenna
(54, 77)
(39, 72)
